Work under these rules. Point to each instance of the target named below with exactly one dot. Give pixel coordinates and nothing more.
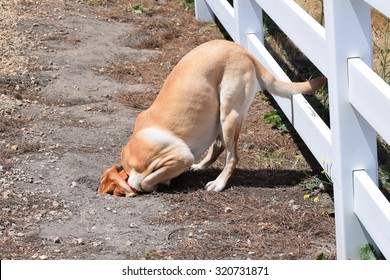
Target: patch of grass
(152, 36)
(318, 183)
(276, 120)
(10, 126)
(367, 252)
(137, 9)
(384, 180)
(188, 5)
(321, 257)
(97, 3)
(8, 152)
(138, 100)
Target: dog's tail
(285, 89)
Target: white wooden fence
(359, 102)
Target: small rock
(14, 147)
(79, 241)
(228, 209)
(57, 240)
(295, 207)
(55, 76)
(95, 244)
(43, 257)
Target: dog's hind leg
(236, 97)
(212, 155)
(230, 129)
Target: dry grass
(139, 100)
(152, 36)
(243, 223)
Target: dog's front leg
(168, 168)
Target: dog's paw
(196, 167)
(214, 186)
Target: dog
(201, 106)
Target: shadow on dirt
(191, 181)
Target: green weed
(137, 9)
(188, 5)
(275, 119)
(367, 252)
(321, 256)
(98, 3)
(384, 177)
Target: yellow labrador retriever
(202, 104)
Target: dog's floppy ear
(112, 183)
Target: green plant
(322, 182)
(384, 177)
(321, 256)
(95, 2)
(367, 252)
(319, 183)
(275, 119)
(188, 5)
(312, 184)
(137, 9)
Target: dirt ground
(73, 76)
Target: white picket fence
(359, 102)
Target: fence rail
(359, 102)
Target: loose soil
(73, 77)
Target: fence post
(203, 12)
(248, 20)
(348, 34)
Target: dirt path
(63, 124)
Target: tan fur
(202, 104)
